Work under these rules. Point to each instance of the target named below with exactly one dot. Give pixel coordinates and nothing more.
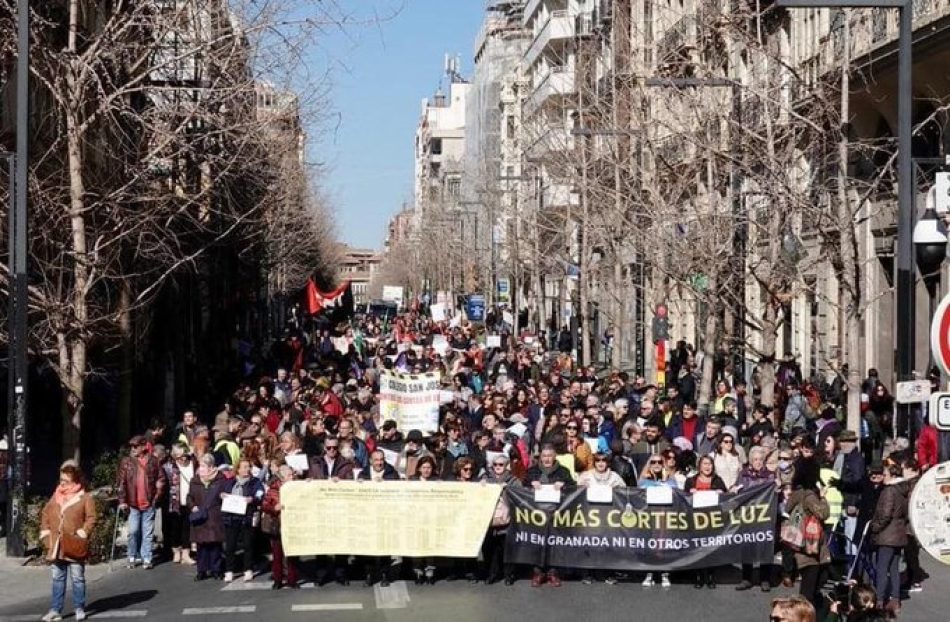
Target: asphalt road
(169, 593)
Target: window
(510, 127)
(435, 146)
(455, 187)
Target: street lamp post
(18, 365)
(905, 311)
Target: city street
(169, 593)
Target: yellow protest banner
(412, 519)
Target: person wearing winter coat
(207, 523)
(755, 474)
(493, 548)
(66, 524)
(141, 485)
(270, 525)
(705, 479)
(176, 528)
(239, 528)
(378, 471)
(812, 566)
(889, 527)
(547, 472)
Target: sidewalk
(22, 583)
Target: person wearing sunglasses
(493, 548)
(656, 474)
(727, 460)
(578, 446)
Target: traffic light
(661, 324)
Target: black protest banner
(630, 534)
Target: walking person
(207, 524)
(65, 526)
(239, 528)
(141, 484)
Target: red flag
(317, 300)
(313, 297)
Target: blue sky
(382, 74)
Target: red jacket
(331, 405)
(927, 447)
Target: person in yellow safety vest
(831, 493)
(226, 451)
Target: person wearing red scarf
(65, 526)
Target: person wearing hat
(141, 482)
(413, 450)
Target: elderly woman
(179, 471)
(755, 474)
(493, 548)
(207, 524)
(65, 526)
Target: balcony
(559, 27)
(530, 9)
(553, 141)
(871, 29)
(676, 40)
(558, 82)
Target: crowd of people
(519, 415)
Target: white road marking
(203, 611)
(327, 607)
(119, 613)
(23, 617)
(396, 596)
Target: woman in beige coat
(65, 526)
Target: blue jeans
(888, 584)
(141, 530)
(77, 573)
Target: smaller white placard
(547, 493)
(705, 498)
(659, 495)
(598, 493)
(518, 429)
(234, 504)
(440, 344)
(298, 462)
(493, 341)
(438, 312)
(593, 443)
(508, 318)
(390, 456)
(446, 397)
(912, 392)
